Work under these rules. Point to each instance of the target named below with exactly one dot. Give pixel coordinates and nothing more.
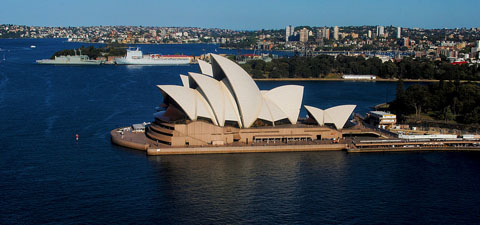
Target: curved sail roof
(203, 109)
(205, 68)
(288, 98)
(317, 114)
(337, 115)
(271, 112)
(228, 93)
(185, 81)
(214, 95)
(184, 97)
(231, 109)
(245, 91)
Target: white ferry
(136, 57)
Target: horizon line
(316, 26)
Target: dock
(399, 145)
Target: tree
(447, 114)
(257, 74)
(473, 116)
(417, 96)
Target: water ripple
(3, 88)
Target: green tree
(417, 97)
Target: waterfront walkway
(127, 138)
(137, 140)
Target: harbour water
(48, 177)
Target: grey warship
(71, 60)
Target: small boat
(33, 46)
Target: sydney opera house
(222, 105)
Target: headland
(222, 110)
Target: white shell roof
(317, 114)
(337, 115)
(203, 109)
(227, 93)
(205, 68)
(184, 97)
(231, 107)
(271, 112)
(288, 98)
(185, 81)
(214, 94)
(245, 91)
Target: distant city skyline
(245, 15)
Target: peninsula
(222, 110)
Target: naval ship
(71, 60)
(136, 57)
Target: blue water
(47, 177)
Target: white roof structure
(185, 81)
(213, 91)
(244, 89)
(224, 92)
(337, 115)
(205, 68)
(183, 96)
(288, 98)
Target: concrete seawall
(128, 142)
(438, 149)
(139, 141)
(245, 149)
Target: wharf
(413, 146)
(418, 149)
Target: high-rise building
(369, 34)
(288, 32)
(406, 42)
(327, 33)
(380, 31)
(304, 35)
(335, 33)
(323, 33)
(399, 32)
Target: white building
(289, 31)
(223, 93)
(359, 77)
(382, 118)
(335, 33)
(380, 31)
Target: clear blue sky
(242, 14)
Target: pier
(398, 145)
